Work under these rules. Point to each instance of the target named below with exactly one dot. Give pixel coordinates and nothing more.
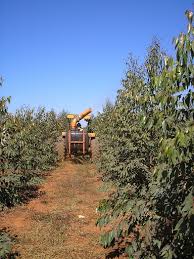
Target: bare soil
(60, 223)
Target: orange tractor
(78, 140)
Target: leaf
(129, 251)
(157, 242)
(166, 252)
(177, 227)
(188, 203)
(164, 126)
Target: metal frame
(70, 142)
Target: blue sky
(70, 54)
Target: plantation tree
(172, 191)
(130, 152)
(146, 151)
(27, 149)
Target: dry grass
(51, 227)
(46, 238)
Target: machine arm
(80, 117)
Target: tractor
(77, 140)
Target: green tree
(146, 151)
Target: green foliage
(27, 149)
(6, 245)
(146, 150)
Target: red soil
(61, 222)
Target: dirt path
(61, 222)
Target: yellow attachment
(80, 117)
(91, 135)
(85, 113)
(70, 116)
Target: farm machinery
(77, 140)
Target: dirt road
(61, 222)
